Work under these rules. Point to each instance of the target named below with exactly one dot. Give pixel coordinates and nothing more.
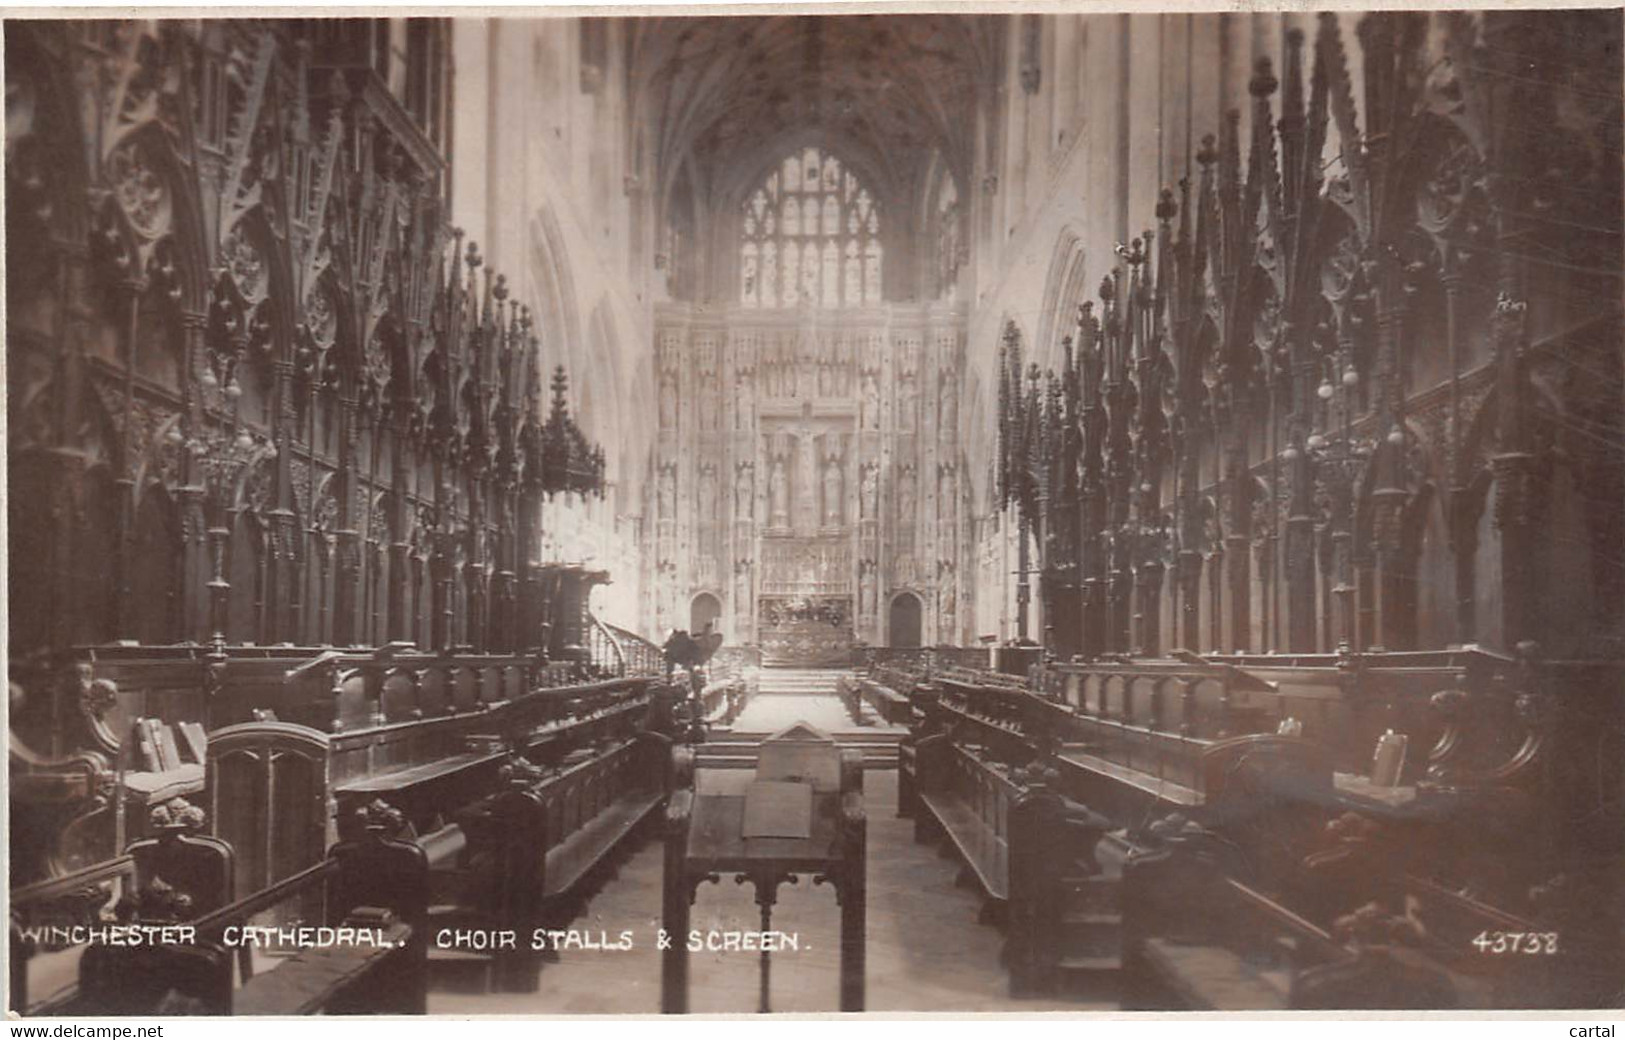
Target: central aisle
(786, 696)
(926, 951)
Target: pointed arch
(1065, 288)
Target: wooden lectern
(803, 814)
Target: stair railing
(621, 653)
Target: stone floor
(771, 712)
(926, 951)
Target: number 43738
(1516, 942)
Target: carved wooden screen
(810, 236)
(268, 799)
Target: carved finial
(501, 290)
(380, 818)
(158, 900)
(1263, 83)
(1167, 208)
(1208, 154)
(176, 815)
(520, 771)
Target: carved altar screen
(808, 466)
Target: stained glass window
(810, 236)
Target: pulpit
(801, 814)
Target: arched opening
(704, 611)
(903, 630)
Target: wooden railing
(39, 911)
(619, 652)
(1008, 829)
(424, 767)
(547, 834)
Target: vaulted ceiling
(730, 95)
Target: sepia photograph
(962, 510)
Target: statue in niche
(832, 493)
(905, 497)
(668, 405)
(743, 493)
(905, 403)
(742, 587)
(741, 397)
(869, 493)
(668, 493)
(945, 590)
(871, 401)
(866, 588)
(708, 493)
(778, 490)
(948, 412)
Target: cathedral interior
(1126, 507)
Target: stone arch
(558, 318)
(705, 609)
(905, 621)
(1065, 287)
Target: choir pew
(1137, 737)
(44, 960)
(989, 708)
(538, 846)
(367, 956)
(450, 779)
(1008, 829)
(1346, 701)
(886, 689)
(438, 748)
(1197, 938)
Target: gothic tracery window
(810, 236)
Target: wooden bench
(1009, 832)
(988, 708)
(428, 768)
(852, 699)
(1346, 701)
(1137, 738)
(892, 706)
(43, 963)
(1198, 938)
(374, 885)
(535, 848)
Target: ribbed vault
(736, 94)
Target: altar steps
(807, 682)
